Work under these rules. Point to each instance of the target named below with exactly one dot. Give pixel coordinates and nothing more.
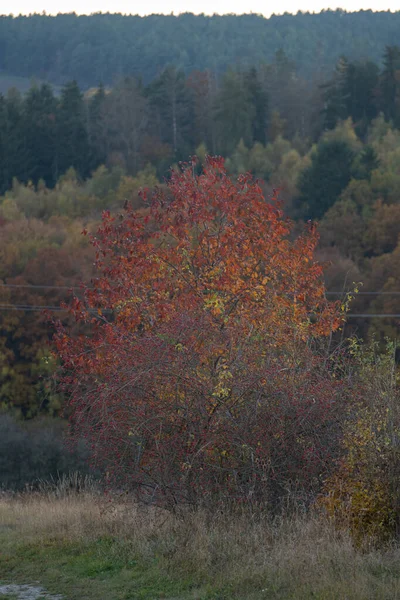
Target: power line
(71, 287)
(42, 287)
(364, 293)
(28, 307)
(40, 308)
(375, 316)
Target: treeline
(131, 125)
(104, 47)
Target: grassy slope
(81, 548)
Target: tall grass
(296, 557)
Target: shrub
(200, 379)
(364, 492)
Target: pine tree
(334, 95)
(172, 110)
(40, 108)
(126, 117)
(96, 127)
(17, 155)
(73, 144)
(390, 84)
(259, 99)
(4, 172)
(321, 184)
(234, 113)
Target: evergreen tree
(72, 136)
(125, 119)
(361, 83)
(366, 162)
(202, 86)
(4, 173)
(259, 99)
(171, 107)
(329, 173)
(288, 94)
(390, 86)
(96, 127)
(234, 113)
(334, 95)
(351, 93)
(17, 155)
(40, 109)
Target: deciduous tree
(198, 379)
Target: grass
(82, 547)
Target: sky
(196, 6)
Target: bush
(199, 380)
(364, 493)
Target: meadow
(88, 546)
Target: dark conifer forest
(104, 47)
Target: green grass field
(86, 549)
(99, 569)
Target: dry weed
(289, 558)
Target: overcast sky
(176, 6)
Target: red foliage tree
(198, 378)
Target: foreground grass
(84, 548)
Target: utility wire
(40, 308)
(71, 287)
(40, 287)
(364, 294)
(31, 308)
(376, 316)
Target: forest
(104, 47)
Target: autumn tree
(199, 379)
(34, 256)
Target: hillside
(101, 47)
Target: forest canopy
(104, 47)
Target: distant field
(83, 548)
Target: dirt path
(27, 592)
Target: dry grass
(240, 556)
